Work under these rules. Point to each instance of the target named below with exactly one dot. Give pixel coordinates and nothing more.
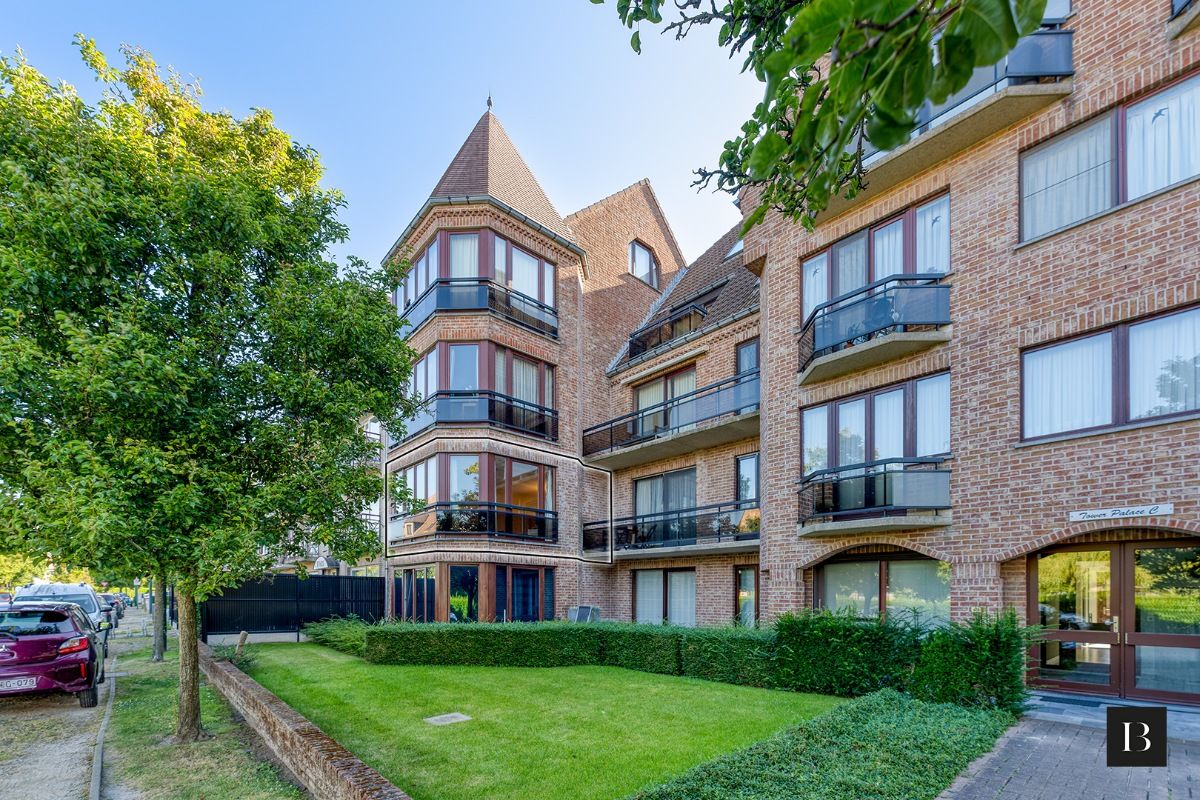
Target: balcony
(888, 319)
(487, 408)
(893, 494)
(1034, 75)
(682, 322)
(459, 295)
(1185, 15)
(486, 521)
(716, 414)
(722, 528)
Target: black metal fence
(284, 603)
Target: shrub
(977, 663)
(647, 648)
(244, 660)
(837, 653)
(511, 644)
(884, 746)
(730, 655)
(344, 634)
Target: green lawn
(565, 733)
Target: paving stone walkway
(1045, 759)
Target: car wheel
(89, 698)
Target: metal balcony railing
(487, 520)
(484, 407)
(682, 322)
(894, 303)
(480, 294)
(876, 488)
(1046, 54)
(712, 524)
(727, 398)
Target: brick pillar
(975, 585)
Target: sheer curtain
(889, 250)
(852, 432)
(852, 585)
(464, 255)
(524, 273)
(648, 496)
(1164, 365)
(815, 430)
(889, 425)
(1067, 180)
(1162, 137)
(816, 282)
(650, 394)
(681, 598)
(525, 380)
(1068, 386)
(851, 264)
(648, 584)
(920, 589)
(683, 414)
(500, 260)
(933, 236)
(679, 490)
(933, 415)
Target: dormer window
(642, 263)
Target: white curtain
(681, 598)
(816, 282)
(431, 265)
(852, 432)
(650, 394)
(500, 260)
(679, 490)
(852, 585)
(933, 236)
(816, 438)
(920, 590)
(464, 255)
(933, 415)
(525, 380)
(683, 414)
(1067, 180)
(524, 273)
(1162, 136)
(648, 496)
(1164, 365)
(889, 425)
(501, 385)
(1068, 386)
(548, 283)
(648, 585)
(851, 263)
(889, 250)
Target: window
(665, 596)
(523, 378)
(425, 379)
(470, 478)
(480, 255)
(1127, 373)
(524, 594)
(747, 356)
(904, 421)
(520, 483)
(419, 600)
(523, 272)
(464, 368)
(917, 588)
(464, 479)
(464, 255)
(747, 478)
(464, 593)
(917, 241)
(642, 263)
(1085, 171)
(423, 272)
(745, 596)
(660, 390)
(671, 491)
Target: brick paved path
(1044, 760)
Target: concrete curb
(98, 752)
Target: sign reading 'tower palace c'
(1156, 510)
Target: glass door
(1161, 649)
(1075, 599)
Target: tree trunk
(159, 614)
(187, 728)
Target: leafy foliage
(883, 746)
(820, 651)
(742, 656)
(837, 75)
(344, 634)
(17, 569)
(514, 644)
(646, 648)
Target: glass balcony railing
(680, 323)
(895, 303)
(479, 294)
(486, 408)
(892, 485)
(714, 524)
(471, 520)
(728, 398)
(1045, 54)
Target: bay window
(1130, 372)
(523, 272)
(470, 477)
(665, 595)
(520, 483)
(1125, 154)
(916, 241)
(915, 588)
(907, 420)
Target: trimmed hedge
(840, 654)
(512, 644)
(730, 655)
(884, 746)
(976, 663)
(344, 634)
(646, 648)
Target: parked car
(5, 597)
(116, 602)
(50, 647)
(80, 594)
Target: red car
(50, 647)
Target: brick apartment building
(976, 385)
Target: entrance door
(1120, 619)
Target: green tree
(837, 74)
(183, 371)
(17, 569)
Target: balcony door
(660, 390)
(662, 504)
(1121, 619)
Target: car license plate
(13, 684)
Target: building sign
(1156, 510)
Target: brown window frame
(881, 559)
(485, 368)
(655, 270)
(547, 479)
(508, 592)
(665, 591)
(737, 611)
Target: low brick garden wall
(325, 768)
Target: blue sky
(386, 92)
